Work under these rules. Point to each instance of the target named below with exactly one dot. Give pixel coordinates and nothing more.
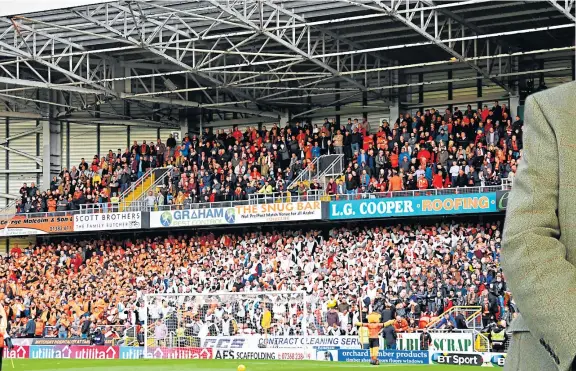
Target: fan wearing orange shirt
(374, 327)
(400, 324)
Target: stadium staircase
(321, 169)
(472, 314)
(138, 190)
(9, 209)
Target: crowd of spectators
(428, 150)
(409, 272)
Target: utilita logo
(19, 352)
(74, 352)
(181, 353)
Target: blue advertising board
(413, 206)
(131, 352)
(415, 357)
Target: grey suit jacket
(539, 241)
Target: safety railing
(10, 208)
(472, 316)
(125, 335)
(158, 174)
(310, 195)
(309, 173)
(253, 199)
(415, 193)
(481, 341)
(331, 165)
(138, 183)
(281, 197)
(112, 207)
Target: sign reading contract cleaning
(107, 221)
(279, 212)
(413, 206)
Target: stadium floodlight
(190, 325)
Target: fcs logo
(166, 219)
(498, 360)
(230, 215)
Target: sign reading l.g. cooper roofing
(414, 206)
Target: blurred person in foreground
(539, 244)
(4, 337)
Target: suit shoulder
(556, 103)
(565, 93)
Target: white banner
(263, 354)
(192, 217)
(441, 341)
(279, 212)
(258, 341)
(107, 221)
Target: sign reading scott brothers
(107, 221)
(413, 206)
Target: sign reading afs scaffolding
(23, 225)
(107, 221)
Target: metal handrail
(158, 180)
(335, 168)
(474, 309)
(111, 207)
(135, 184)
(330, 169)
(277, 197)
(9, 209)
(311, 195)
(288, 196)
(416, 193)
(119, 329)
(306, 173)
